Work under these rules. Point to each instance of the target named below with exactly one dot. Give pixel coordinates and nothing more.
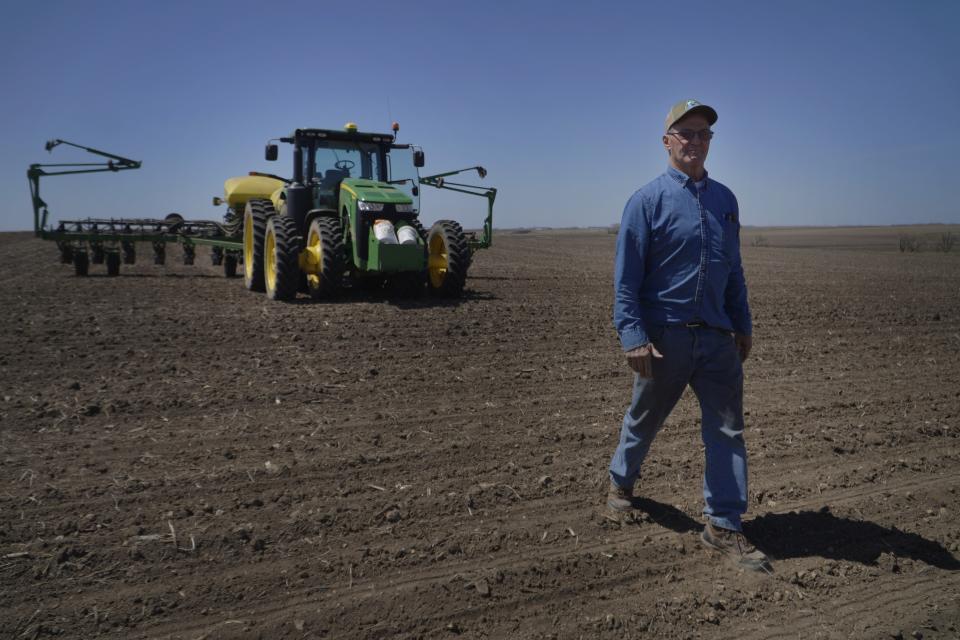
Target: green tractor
(349, 216)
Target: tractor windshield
(338, 160)
(403, 173)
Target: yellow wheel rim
(313, 258)
(270, 259)
(437, 262)
(248, 246)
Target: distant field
(869, 238)
(879, 238)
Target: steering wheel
(345, 165)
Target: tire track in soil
(902, 595)
(363, 590)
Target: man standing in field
(683, 319)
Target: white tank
(383, 230)
(407, 235)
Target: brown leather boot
(619, 498)
(735, 545)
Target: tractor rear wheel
(448, 258)
(324, 259)
(254, 228)
(81, 263)
(281, 271)
(113, 263)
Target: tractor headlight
(370, 206)
(404, 208)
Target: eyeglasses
(689, 135)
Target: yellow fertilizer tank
(239, 190)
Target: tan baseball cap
(686, 107)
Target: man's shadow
(803, 534)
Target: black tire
(230, 265)
(216, 256)
(113, 263)
(98, 253)
(159, 253)
(173, 220)
(254, 229)
(281, 271)
(459, 229)
(448, 259)
(419, 227)
(81, 263)
(324, 258)
(189, 254)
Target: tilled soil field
(184, 459)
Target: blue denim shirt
(678, 259)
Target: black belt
(700, 324)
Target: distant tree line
(910, 243)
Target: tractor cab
(324, 158)
(328, 163)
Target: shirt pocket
(730, 224)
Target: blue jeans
(708, 361)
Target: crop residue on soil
(184, 459)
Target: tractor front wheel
(254, 229)
(281, 273)
(324, 259)
(448, 258)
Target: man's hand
(641, 359)
(744, 344)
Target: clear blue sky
(830, 112)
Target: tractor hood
(373, 191)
